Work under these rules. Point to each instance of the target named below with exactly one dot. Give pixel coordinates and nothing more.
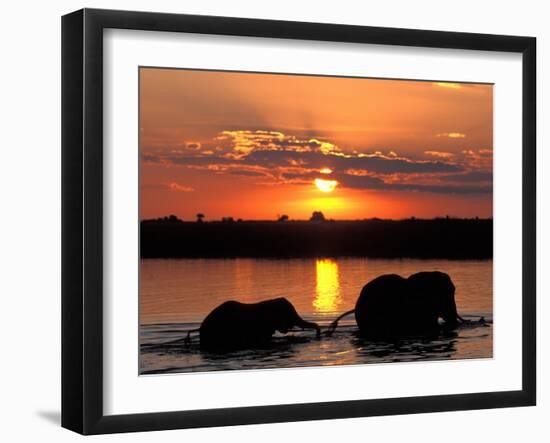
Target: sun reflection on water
(327, 290)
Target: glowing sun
(325, 185)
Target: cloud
(471, 88)
(240, 143)
(375, 183)
(177, 187)
(439, 154)
(271, 149)
(246, 173)
(472, 176)
(375, 163)
(448, 85)
(148, 158)
(278, 158)
(478, 159)
(451, 135)
(233, 168)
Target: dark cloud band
(283, 158)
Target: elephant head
(438, 292)
(282, 316)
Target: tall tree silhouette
(317, 216)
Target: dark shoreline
(444, 238)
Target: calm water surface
(176, 295)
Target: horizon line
(276, 220)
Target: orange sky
(251, 146)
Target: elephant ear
(279, 314)
(437, 290)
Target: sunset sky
(254, 146)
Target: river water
(177, 294)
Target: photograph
(293, 220)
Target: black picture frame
(82, 220)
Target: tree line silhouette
(447, 237)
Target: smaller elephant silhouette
(393, 306)
(236, 325)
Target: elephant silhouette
(236, 325)
(393, 306)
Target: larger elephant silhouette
(236, 325)
(393, 306)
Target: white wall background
(30, 218)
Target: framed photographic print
(250, 204)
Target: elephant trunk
(309, 325)
(452, 318)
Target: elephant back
(431, 282)
(228, 325)
(377, 310)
